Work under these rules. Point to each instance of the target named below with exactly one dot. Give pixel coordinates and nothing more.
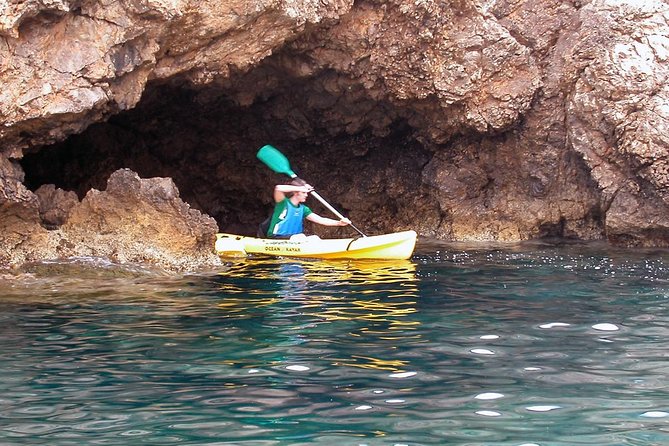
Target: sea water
(518, 345)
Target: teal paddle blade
(275, 160)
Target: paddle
(276, 161)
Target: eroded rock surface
(69, 63)
(55, 205)
(134, 220)
(463, 119)
(21, 231)
(140, 221)
(618, 115)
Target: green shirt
(287, 219)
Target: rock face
(133, 221)
(491, 120)
(140, 221)
(19, 214)
(55, 205)
(618, 115)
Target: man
(289, 212)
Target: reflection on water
(546, 345)
(352, 290)
(378, 296)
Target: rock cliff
(463, 119)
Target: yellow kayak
(398, 245)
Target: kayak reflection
(329, 289)
(294, 306)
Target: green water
(533, 345)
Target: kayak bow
(397, 245)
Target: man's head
(299, 197)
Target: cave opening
(205, 138)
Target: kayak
(397, 245)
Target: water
(528, 345)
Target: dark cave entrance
(206, 142)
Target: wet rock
(632, 222)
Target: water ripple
(507, 346)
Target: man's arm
(280, 190)
(327, 221)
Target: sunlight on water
(521, 345)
